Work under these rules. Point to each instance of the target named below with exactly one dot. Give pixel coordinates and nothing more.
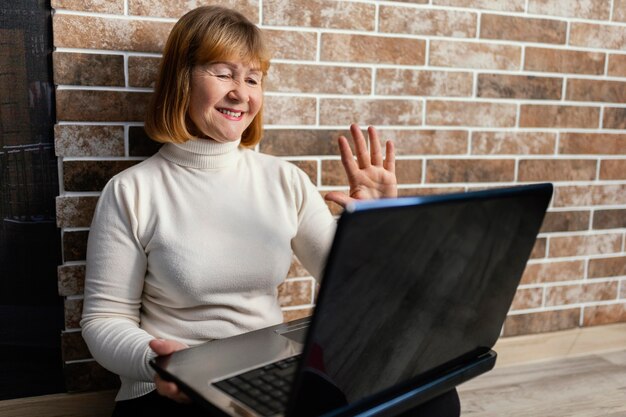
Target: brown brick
(370, 112)
(295, 292)
(581, 293)
(427, 142)
(594, 35)
(75, 246)
(604, 314)
(73, 347)
(585, 245)
(319, 14)
(583, 9)
(596, 90)
(539, 249)
(289, 315)
(77, 140)
(140, 144)
(451, 23)
(592, 143)
(289, 110)
(88, 69)
(175, 8)
(522, 29)
(617, 65)
(73, 313)
(372, 49)
(89, 376)
(467, 113)
(301, 142)
(423, 83)
(94, 6)
(296, 269)
(510, 5)
(613, 169)
(71, 31)
(545, 321)
(142, 71)
(557, 170)
(75, 211)
(91, 175)
(318, 79)
(575, 195)
(527, 298)
(619, 10)
(101, 106)
(582, 117)
(289, 44)
(565, 221)
(409, 171)
(609, 219)
(563, 60)
(474, 55)
(553, 272)
(614, 118)
(607, 267)
(333, 173)
(71, 279)
(309, 168)
(511, 143)
(469, 170)
(519, 86)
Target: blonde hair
(203, 35)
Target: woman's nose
(239, 92)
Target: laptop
(414, 296)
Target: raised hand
(166, 388)
(369, 177)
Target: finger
(170, 390)
(347, 159)
(338, 198)
(390, 157)
(360, 147)
(375, 153)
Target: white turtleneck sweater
(191, 245)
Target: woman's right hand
(168, 389)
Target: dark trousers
(154, 405)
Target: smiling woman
(221, 44)
(191, 244)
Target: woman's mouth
(231, 113)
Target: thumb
(338, 197)
(165, 347)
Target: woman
(191, 244)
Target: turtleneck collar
(201, 153)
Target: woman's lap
(154, 405)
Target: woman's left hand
(369, 177)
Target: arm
(370, 176)
(116, 266)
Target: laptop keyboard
(265, 389)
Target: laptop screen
(438, 289)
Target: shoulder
(275, 168)
(139, 175)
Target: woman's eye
(252, 81)
(223, 76)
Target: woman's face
(225, 97)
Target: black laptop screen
(456, 266)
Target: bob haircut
(203, 35)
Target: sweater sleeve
(116, 266)
(316, 226)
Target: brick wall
(476, 93)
